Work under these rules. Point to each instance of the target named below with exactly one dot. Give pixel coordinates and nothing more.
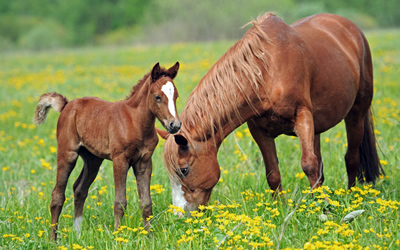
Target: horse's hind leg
(91, 165)
(317, 151)
(355, 132)
(304, 128)
(268, 151)
(66, 160)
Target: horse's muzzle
(173, 126)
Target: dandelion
(239, 134)
(40, 233)
(144, 232)
(383, 162)
(53, 149)
(76, 246)
(120, 239)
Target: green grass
(241, 212)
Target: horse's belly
(328, 113)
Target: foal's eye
(157, 98)
(184, 172)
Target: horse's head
(193, 169)
(163, 95)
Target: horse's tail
(370, 166)
(47, 101)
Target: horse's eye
(157, 98)
(184, 172)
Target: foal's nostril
(171, 124)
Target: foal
(122, 132)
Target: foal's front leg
(142, 170)
(304, 128)
(121, 167)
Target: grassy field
(241, 213)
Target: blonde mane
(214, 101)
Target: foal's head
(162, 97)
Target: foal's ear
(164, 134)
(173, 71)
(155, 72)
(181, 140)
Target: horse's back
(342, 67)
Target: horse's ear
(173, 71)
(155, 72)
(164, 134)
(181, 140)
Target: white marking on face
(178, 198)
(169, 90)
(77, 225)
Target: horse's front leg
(304, 128)
(268, 151)
(121, 167)
(142, 170)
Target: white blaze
(169, 90)
(178, 198)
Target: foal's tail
(47, 101)
(370, 167)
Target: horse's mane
(214, 99)
(145, 78)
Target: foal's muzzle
(173, 126)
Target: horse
(123, 132)
(300, 80)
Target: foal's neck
(138, 101)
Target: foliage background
(41, 24)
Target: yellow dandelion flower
(53, 149)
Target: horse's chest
(142, 150)
(275, 125)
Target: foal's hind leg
(66, 160)
(304, 128)
(268, 151)
(81, 186)
(355, 132)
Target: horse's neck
(197, 131)
(139, 98)
(138, 102)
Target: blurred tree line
(42, 24)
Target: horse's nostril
(171, 124)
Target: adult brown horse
(301, 80)
(122, 132)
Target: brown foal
(122, 132)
